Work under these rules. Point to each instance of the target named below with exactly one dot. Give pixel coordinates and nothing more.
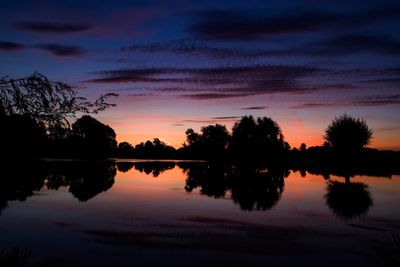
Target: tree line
(39, 119)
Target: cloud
(10, 46)
(202, 83)
(194, 48)
(378, 100)
(212, 120)
(235, 25)
(61, 50)
(209, 96)
(52, 27)
(244, 25)
(372, 100)
(226, 118)
(355, 43)
(255, 108)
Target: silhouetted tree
(155, 149)
(48, 102)
(210, 144)
(125, 150)
(93, 138)
(257, 139)
(348, 134)
(21, 136)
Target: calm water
(194, 214)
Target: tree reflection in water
(348, 200)
(154, 167)
(19, 181)
(251, 187)
(84, 179)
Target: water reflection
(154, 167)
(84, 179)
(210, 178)
(18, 182)
(250, 186)
(348, 200)
(257, 188)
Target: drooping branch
(49, 102)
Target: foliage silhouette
(91, 138)
(348, 200)
(125, 150)
(211, 143)
(261, 139)
(21, 136)
(48, 102)
(155, 149)
(347, 134)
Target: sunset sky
(186, 64)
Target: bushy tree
(125, 150)
(93, 138)
(259, 138)
(348, 134)
(211, 143)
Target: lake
(182, 213)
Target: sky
(186, 64)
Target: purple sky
(182, 64)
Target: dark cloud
(193, 48)
(212, 120)
(242, 25)
(210, 96)
(373, 100)
(217, 82)
(61, 50)
(234, 25)
(52, 27)
(210, 75)
(382, 81)
(355, 43)
(255, 108)
(316, 105)
(226, 118)
(10, 46)
(379, 100)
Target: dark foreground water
(144, 213)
